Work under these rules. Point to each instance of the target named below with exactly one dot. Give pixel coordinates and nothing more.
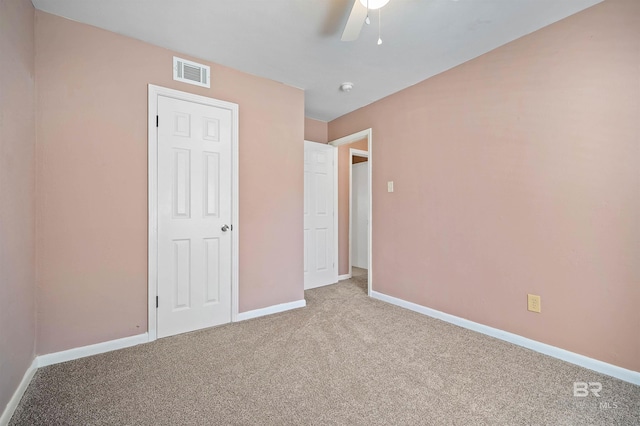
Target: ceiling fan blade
(355, 22)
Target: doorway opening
(358, 212)
(362, 143)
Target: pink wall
(17, 195)
(92, 182)
(316, 130)
(517, 173)
(343, 202)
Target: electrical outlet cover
(533, 303)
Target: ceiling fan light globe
(374, 4)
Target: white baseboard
(571, 357)
(98, 348)
(344, 277)
(271, 310)
(17, 395)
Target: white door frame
(335, 211)
(353, 153)
(368, 134)
(154, 92)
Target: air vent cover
(191, 72)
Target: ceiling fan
(359, 16)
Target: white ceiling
(297, 42)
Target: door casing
(153, 93)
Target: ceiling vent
(191, 72)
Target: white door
(194, 216)
(360, 214)
(320, 267)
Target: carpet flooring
(345, 359)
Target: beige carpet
(345, 359)
(357, 272)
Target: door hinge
(156, 301)
(157, 121)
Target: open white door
(194, 216)
(320, 254)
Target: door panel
(319, 265)
(194, 202)
(212, 258)
(181, 281)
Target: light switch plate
(390, 186)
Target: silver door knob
(225, 228)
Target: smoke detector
(346, 87)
